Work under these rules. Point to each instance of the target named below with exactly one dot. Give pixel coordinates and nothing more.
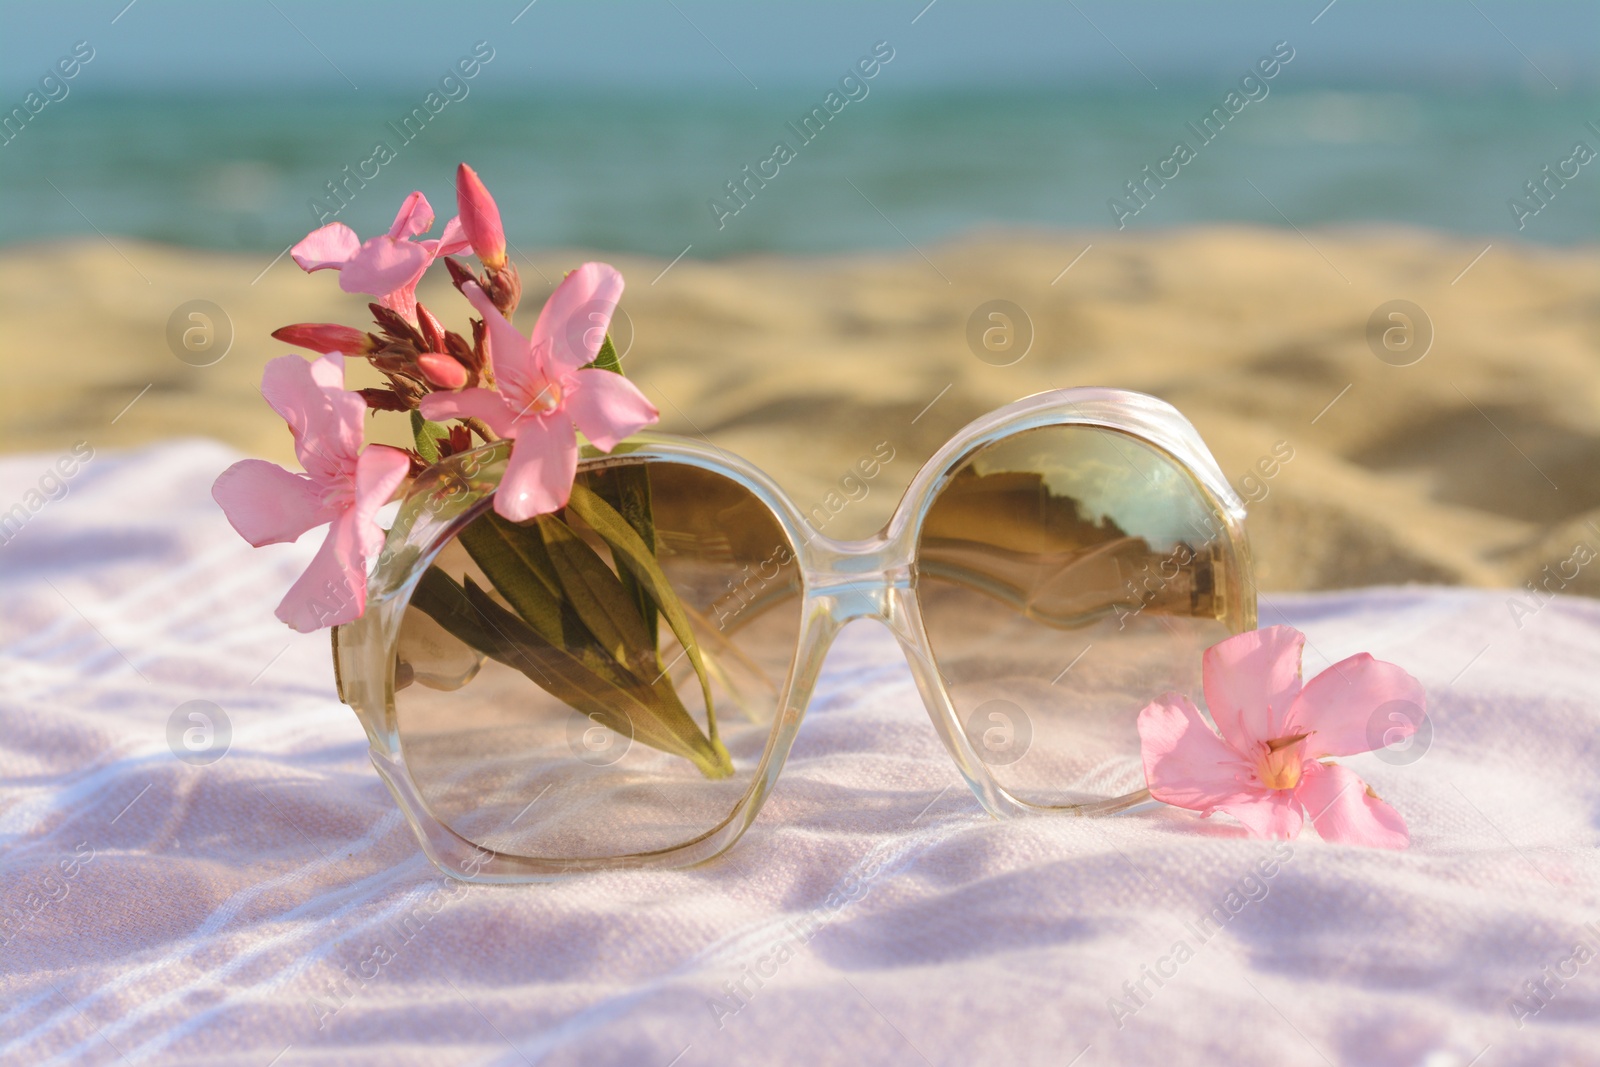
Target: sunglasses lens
(600, 683)
(1067, 576)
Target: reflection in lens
(1074, 573)
(546, 705)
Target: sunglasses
(620, 685)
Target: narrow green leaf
(515, 561)
(631, 552)
(606, 358)
(434, 595)
(627, 489)
(439, 597)
(565, 591)
(427, 435)
(598, 597)
(631, 708)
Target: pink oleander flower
(544, 392)
(1268, 768)
(387, 266)
(344, 486)
(480, 218)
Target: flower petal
(1273, 813)
(1251, 679)
(510, 353)
(414, 217)
(485, 404)
(1346, 707)
(327, 422)
(454, 241)
(403, 301)
(1185, 763)
(328, 372)
(573, 322)
(383, 266)
(379, 472)
(266, 504)
(1344, 812)
(607, 407)
(289, 389)
(333, 590)
(329, 246)
(539, 474)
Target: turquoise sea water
(637, 171)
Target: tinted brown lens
(547, 706)
(1067, 576)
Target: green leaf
(632, 707)
(427, 435)
(515, 561)
(504, 551)
(439, 597)
(627, 489)
(606, 358)
(632, 554)
(598, 597)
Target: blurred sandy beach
(1473, 465)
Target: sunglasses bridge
(857, 579)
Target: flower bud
(505, 289)
(383, 399)
(442, 370)
(480, 218)
(459, 274)
(457, 346)
(395, 325)
(409, 390)
(326, 338)
(432, 329)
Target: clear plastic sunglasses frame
(841, 581)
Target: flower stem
(477, 426)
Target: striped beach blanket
(252, 896)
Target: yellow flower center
(1280, 763)
(547, 400)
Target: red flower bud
(384, 400)
(327, 338)
(480, 218)
(459, 274)
(432, 329)
(442, 370)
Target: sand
(1478, 464)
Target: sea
(715, 174)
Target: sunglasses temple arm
(1112, 806)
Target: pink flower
(343, 486)
(543, 393)
(480, 218)
(1267, 769)
(388, 266)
